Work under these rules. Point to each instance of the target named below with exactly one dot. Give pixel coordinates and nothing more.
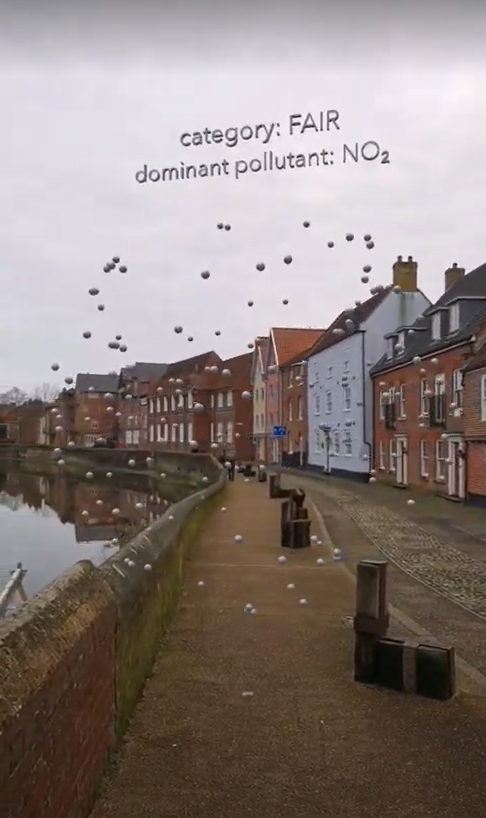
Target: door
(402, 462)
(456, 475)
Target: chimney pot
(405, 274)
(400, 258)
(453, 275)
(410, 258)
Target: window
(348, 443)
(424, 458)
(128, 438)
(173, 405)
(424, 400)
(262, 420)
(151, 434)
(229, 432)
(151, 406)
(219, 432)
(329, 374)
(211, 433)
(93, 424)
(337, 443)
(393, 456)
(166, 432)
(346, 366)
(290, 410)
(89, 440)
(229, 398)
(457, 388)
(159, 409)
(454, 316)
(291, 447)
(401, 402)
(300, 415)
(173, 433)
(317, 440)
(189, 431)
(190, 400)
(347, 398)
(483, 397)
(383, 401)
(181, 433)
(213, 400)
(166, 403)
(220, 400)
(317, 405)
(381, 456)
(257, 421)
(436, 327)
(136, 437)
(390, 346)
(439, 382)
(440, 459)
(328, 402)
(180, 401)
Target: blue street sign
(279, 431)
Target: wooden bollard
(285, 521)
(274, 486)
(371, 619)
(300, 533)
(435, 672)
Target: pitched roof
(259, 354)
(99, 383)
(143, 371)
(418, 338)
(477, 360)
(357, 315)
(189, 365)
(291, 341)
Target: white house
(259, 397)
(340, 392)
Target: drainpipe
(365, 381)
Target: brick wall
(294, 397)
(77, 660)
(475, 434)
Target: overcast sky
(89, 96)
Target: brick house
(172, 420)
(258, 388)
(294, 411)
(202, 402)
(284, 345)
(60, 420)
(134, 386)
(475, 425)
(419, 419)
(96, 408)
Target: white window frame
(454, 318)
(328, 402)
(424, 399)
(317, 405)
(337, 443)
(166, 403)
(151, 434)
(151, 406)
(424, 458)
(317, 440)
(383, 402)
(457, 388)
(229, 431)
(189, 431)
(158, 404)
(436, 326)
(173, 403)
(347, 443)
(381, 456)
(347, 397)
(211, 433)
(190, 401)
(181, 433)
(290, 409)
(220, 400)
(93, 424)
(220, 432)
(392, 456)
(482, 397)
(300, 409)
(229, 398)
(402, 415)
(440, 460)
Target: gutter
(363, 365)
(409, 362)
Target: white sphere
(224, 508)
(410, 502)
(282, 560)
(131, 463)
(89, 475)
(320, 561)
(147, 567)
(291, 586)
(200, 583)
(303, 602)
(238, 538)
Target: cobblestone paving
(436, 564)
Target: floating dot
(260, 266)
(123, 347)
(220, 225)
(349, 237)
(285, 301)
(118, 337)
(224, 508)
(178, 330)
(131, 463)
(246, 395)
(54, 367)
(107, 268)
(367, 268)
(367, 237)
(116, 259)
(370, 245)
(330, 244)
(287, 259)
(306, 224)
(218, 332)
(109, 474)
(410, 502)
(282, 560)
(147, 567)
(89, 475)
(365, 279)
(122, 269)
(320, 561)
(238, 538)
(291, 586)
(227, 227)
(94, 291)
(205, 274)
(303, 602)
(101, 307)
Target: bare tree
(13, 396)
(46, 392)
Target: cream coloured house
(259, 398)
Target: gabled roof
(288, 342)
(259, 354)
(240, 368)
(357, 315)
(418, 337)
(143, 371)
(189, 365)
(300, 358)
(99, 383)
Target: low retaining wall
(74, 660)
(175, 464)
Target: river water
(48, 523)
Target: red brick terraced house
(285, 345)
(204, 402)
(419, 417)
(475, 424)
(96, 414)
(134, 387)
(294, 411)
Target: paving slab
(258, 714)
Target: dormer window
(454, 316)
(436, 327)
(390, 347)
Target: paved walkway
(258, 715)
(438, 576)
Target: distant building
(96, 413)
(258, 387)
(135, 384)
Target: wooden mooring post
(371, 619)
(13, 586)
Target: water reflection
(47, 523)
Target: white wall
(363, 349)
(259, 420)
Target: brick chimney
(453, 275)
(405, 274)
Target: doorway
(402, 461)
(456, 474)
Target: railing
(12, 586)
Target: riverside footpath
(258, 714)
